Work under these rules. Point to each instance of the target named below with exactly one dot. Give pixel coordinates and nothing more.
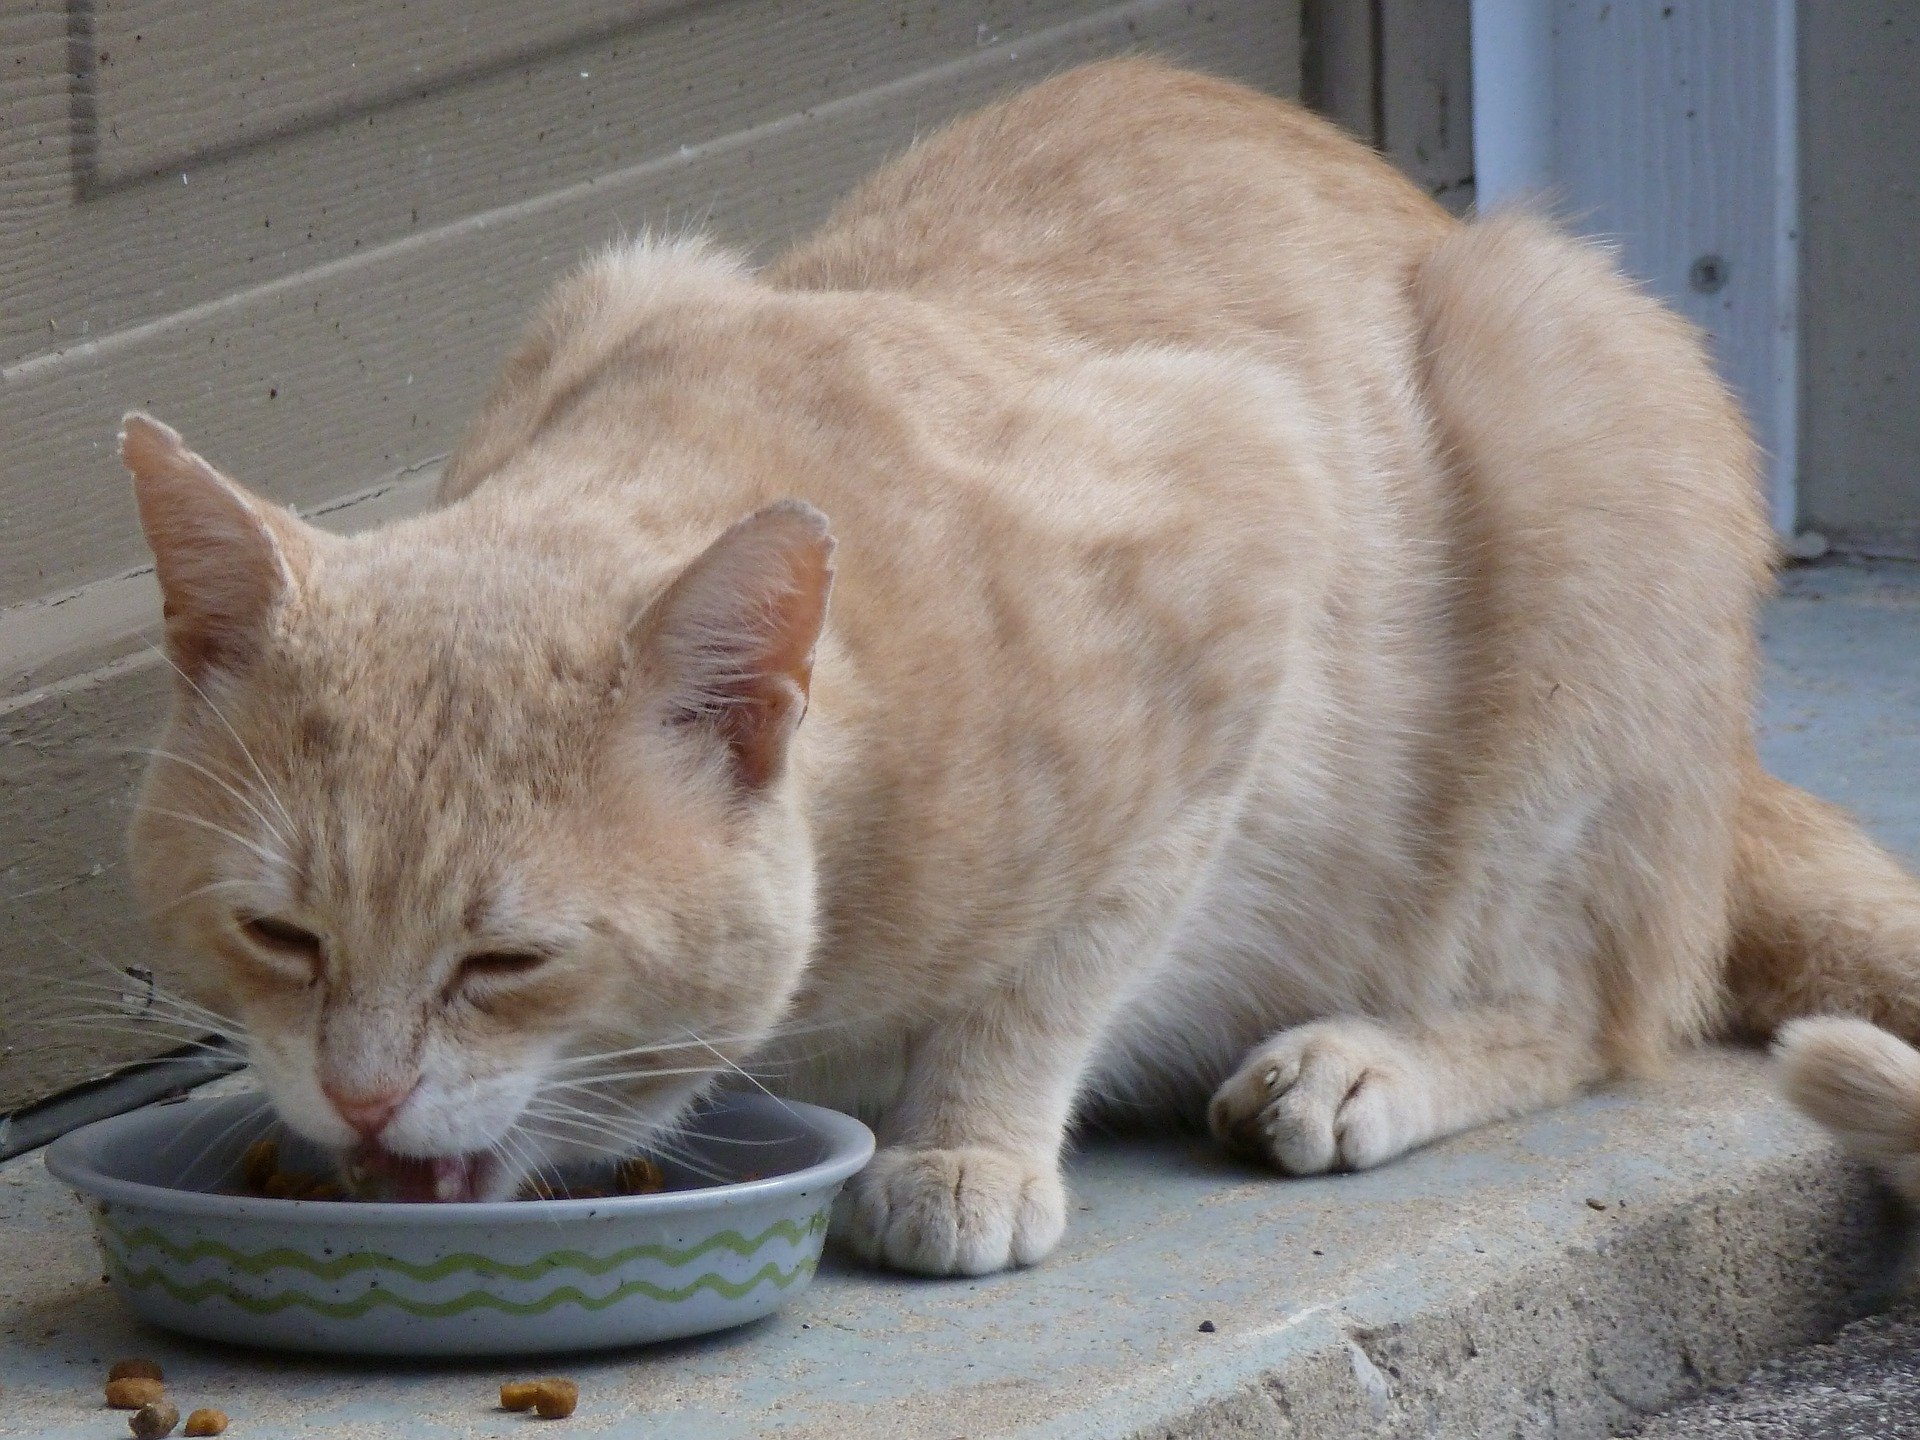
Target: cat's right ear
(225, 560)
(731, 641)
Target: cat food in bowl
(191, 1251)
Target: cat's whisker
(265, 784)
(647, 1132)
(73, 1032)
(133, 995)
(154, 997)
(745, 1141)
(750, 1079)
(613, 1141)
(533, 1162)
(53, 886)
(232, 882)
(88, 1021)
(668, 1144)
(606, 1107)
(626, 1119)
(273, 829)
(187, 1009)
(120, 983)
(117, 982)
(179, 1029)
(627, 1145)
(118, 978)
(583, 1118)
(607, 1142)
(176, 1048)
(160, 1027)
(631, 1052)
(118, 1004)
(262, 1120)
(621, 1077)
(513, 1158)
(663, 1046)
(563, 1065)
(254, 847)
(518, 1151)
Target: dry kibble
(518, 1394)
(206, 1422)
(261, 1176)
(260, 1163)
(555, 1399)
(549, 1399)
(135, 1369)
(151, 1422)
(133, 1391)
(637, 1175)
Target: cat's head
(440, 814)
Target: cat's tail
(1862, 1083)
(1826, 925)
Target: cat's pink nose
(367, 1111)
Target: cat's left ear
(730, 644)
(226, 560)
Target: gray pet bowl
(515, 1277)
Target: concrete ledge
(1562, 1275)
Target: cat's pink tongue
(414, 1178)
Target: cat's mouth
(378, 1173)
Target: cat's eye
(501, 964)
(283, 940)
(281, 937)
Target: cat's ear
(225, 560)
(730, 644)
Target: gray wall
(306, 234)
(1860, 271)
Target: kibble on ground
(132, 1391)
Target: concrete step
(1563, 1275)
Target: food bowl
(510, 1277)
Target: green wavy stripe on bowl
(354, 1261)
(353, 1309)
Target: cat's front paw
(967, 1211)
(1332, 1095)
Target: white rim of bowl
(71, 1159)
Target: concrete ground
(1566, 1275)
(1864, 1384)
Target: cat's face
(439, 820)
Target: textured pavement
(1863, 1385)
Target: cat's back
(1131, 202)
(1092, 368)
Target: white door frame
(1670, 128)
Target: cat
(1863, 1084)
(1141, 617)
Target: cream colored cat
(1286, 648)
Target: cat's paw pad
(1333, 1095)
(964, 1211)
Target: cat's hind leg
(1350, 1093)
